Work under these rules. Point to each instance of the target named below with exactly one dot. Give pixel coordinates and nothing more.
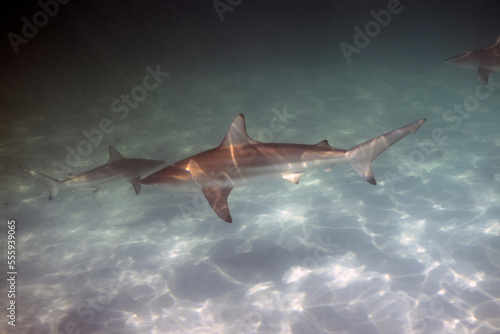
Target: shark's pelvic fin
(217, 198)
(136, 184)
(293, 177)
(362, 155)
(484, 75)
(51, 183)
(114, 155)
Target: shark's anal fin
(136, 184)
(484, 75)
(217, 198)
(293, 177)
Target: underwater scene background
(417, 253)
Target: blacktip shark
(484, 60)
(241, 160)
(116, 169)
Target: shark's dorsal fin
(217, 198)
(237, 133)
(114, 155)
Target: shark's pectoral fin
(484, 75)
(293, 177)
(217, 198)
(136, 184)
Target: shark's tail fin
(51, 183)
(362, 155)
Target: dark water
(418, 253)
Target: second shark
(116, 169)
(484, 60)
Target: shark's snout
(459, 59)
(451, 60)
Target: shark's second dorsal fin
(114, 155)
(323, 143)
(237, 133)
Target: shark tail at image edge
(49, 182)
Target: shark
(240, 160)
(116, 169)
(484, 60)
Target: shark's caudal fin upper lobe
(51, 183)
(362, 155)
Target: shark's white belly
(257, 174)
